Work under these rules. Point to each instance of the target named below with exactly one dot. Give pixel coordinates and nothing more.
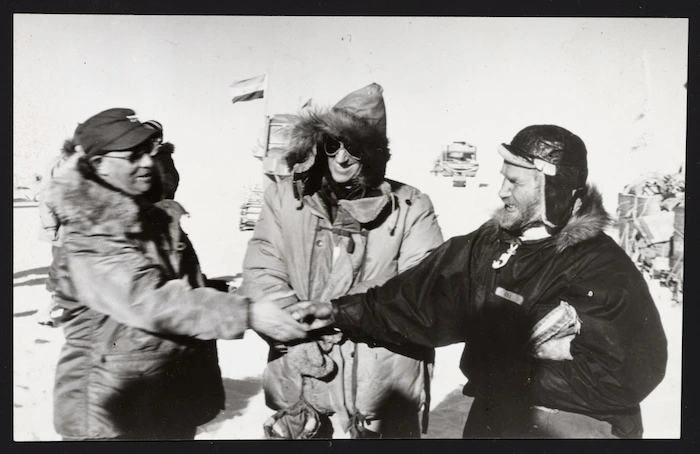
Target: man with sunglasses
(139, 359)
(337, 226)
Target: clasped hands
(291, 323)
(296, 320)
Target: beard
(521, 217)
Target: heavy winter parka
(297, 245)
(139, 360)
(457, 295)
(298, 250)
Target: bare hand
(557, 349)
(313, 314)
(266, 318)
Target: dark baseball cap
(112, 130)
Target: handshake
(550, 338)
(313, 315)
(290, 323)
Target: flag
(248, 89)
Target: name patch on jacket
(510, 296)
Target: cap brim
(131, 139)
(512, 158)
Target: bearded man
(562, 336)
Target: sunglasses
(332, 146)
(135, 154)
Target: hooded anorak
(321, 249)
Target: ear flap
(560, 198)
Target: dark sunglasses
(331, 146)
(135, 154)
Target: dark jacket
(139, 359)
(453, 296)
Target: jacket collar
(364, 210)
(589, 221)
(535, 233)
(367, 209)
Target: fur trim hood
(590, 220)
(87, 205)
(358, 120)
(68, 149)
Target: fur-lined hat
(359, 121)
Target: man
(139, 359)
(169, 178)
(562, 336)
(337, 226)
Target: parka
(139, 359)
(297, 246)
(50, 226)
(459, 294)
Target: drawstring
(396, 216)
(426, 387)
(300, 193)
(357, 419)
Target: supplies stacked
(651, 214)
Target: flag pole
(265, 93)
(267, 129)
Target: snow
(221, 247)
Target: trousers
(501, 420)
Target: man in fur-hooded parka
(139, 359)
(320, 238)
(562, 336)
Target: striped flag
(248, 89)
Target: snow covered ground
(214, 232)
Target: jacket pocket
(135, 365)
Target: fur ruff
(590, 220)
(85, 205)
(68, 148)
(314, 126)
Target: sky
(616, 82)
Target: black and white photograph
(260, 227)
